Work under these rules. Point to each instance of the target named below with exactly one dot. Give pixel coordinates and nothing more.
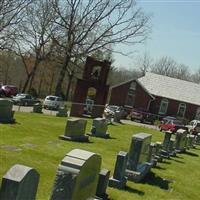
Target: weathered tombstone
(181, 140)
(117, 116)
(62, 112)
(191, 141)
(102, 184)
(99, 128)
(75, 130)
(138, 165)
(77, 176)
(166, 140)
(19, 183)
(118, 180)
(197, 139)
(37, 108)
(6, 113)
(152, 156)
(171, 148)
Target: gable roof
(172, 88)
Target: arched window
(181, 110)
(163, 106)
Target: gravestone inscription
(138, 157)
(77, 176)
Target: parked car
(194, 127)
(8, 90)
(53, 102)
(25, 100)
(142, 115)
(111, 109)
(172, 125)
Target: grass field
(33, 141)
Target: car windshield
(51, 98)
(21, 95)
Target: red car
(8, 90)
(172, 125)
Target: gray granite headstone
(75, 130)
(37, 108)
(191, 141)
(118, 180)
(166, 140)
(102, 184)
(117, 116)
(62, 112)
(138, 165)
(181, 140)
(19, 183)
(77, 176)
(198, 139)
(6, 113)
(99, 128)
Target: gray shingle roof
(171, 88)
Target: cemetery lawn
(33, 141)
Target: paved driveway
(125, 121)
(30, 109)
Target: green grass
(42, 132)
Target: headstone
(198, 139)
(118, 180)
(166, 140)
(102, 184)
(117, 116)
(152, 154)
(99, 128)
(19, 183)
(138, 165)
(181, 140)
(191, 141)
(62, 112)
(75, 130)
(77, 176)
(37, 108)
(6, 113)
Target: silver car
(53, 102)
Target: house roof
(172, 88)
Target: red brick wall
(173, 108)
(119, 94)
(142, 98)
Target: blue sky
(175, 33)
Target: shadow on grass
(178, 157)
(178, 161)
(157, 181)
(165, 162)
(135, 191)
(159, 167)
(191, 154)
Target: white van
(53, 102)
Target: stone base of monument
(165, 154)
(100, 135)
(182, 150)
(137, 176)
(82, 138)
(115, 183)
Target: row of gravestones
(79, 175)
(7, 114)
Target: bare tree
(33, 39)
(165, 66)
(182, 72)
(196, 76)
(144, 63)
(11, 13)
(85, 26)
